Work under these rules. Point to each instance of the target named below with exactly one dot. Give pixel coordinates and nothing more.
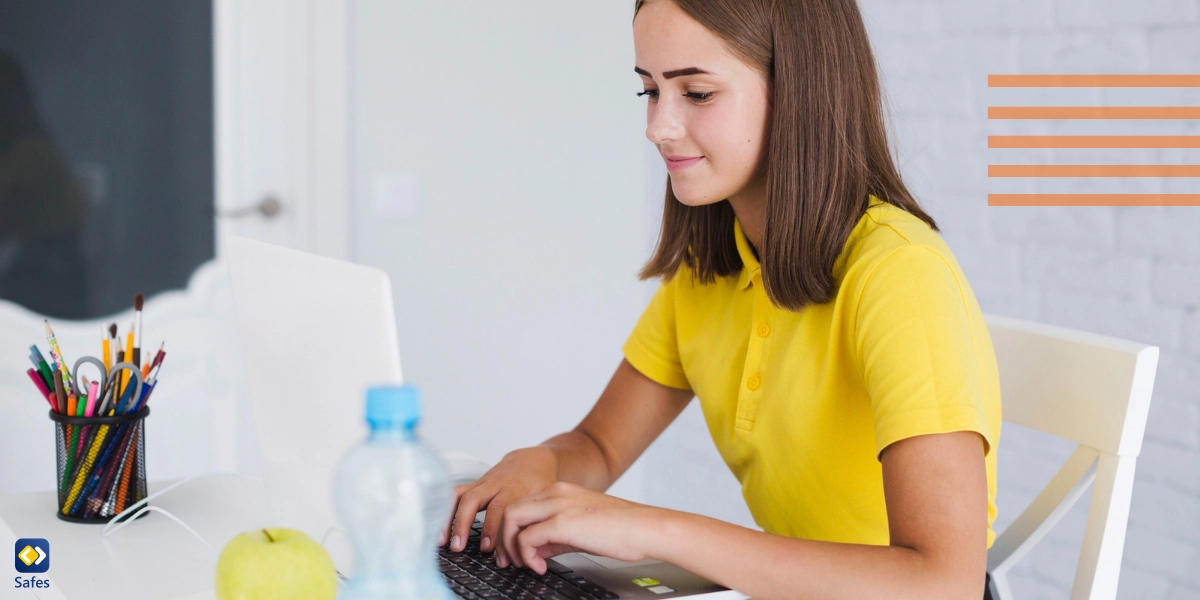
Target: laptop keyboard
(473, 574)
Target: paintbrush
(138, 300)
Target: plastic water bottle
(394, 497)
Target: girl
(840, 357)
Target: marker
(41, 386)
(39, 363)
(91, 401)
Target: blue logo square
(32, 555)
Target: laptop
(315, 333)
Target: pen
(146, 389)
(124, 399)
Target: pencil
(60, 393)
(128, 356)
(56, 354)
(104, 352)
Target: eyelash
(698, 96)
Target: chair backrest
(1091, 389)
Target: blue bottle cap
(393, 406)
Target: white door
(281, 115)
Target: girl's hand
(571, 518)
(519, 473)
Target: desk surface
(153, 557)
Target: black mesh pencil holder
(101, 465)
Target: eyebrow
(673, 74)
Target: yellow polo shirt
(800, 404)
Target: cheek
(732, 137)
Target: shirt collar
(750, 266)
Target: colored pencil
(56, 354)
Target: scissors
(111, 401)
(104, 377)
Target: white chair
(1093, 390)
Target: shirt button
(764, 329)
(754, 382)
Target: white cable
(156, 509)
(113, 526)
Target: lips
(678, 163)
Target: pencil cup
(101, 465)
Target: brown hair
(824, 150)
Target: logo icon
(32, 555)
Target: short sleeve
(914, 344)
(652, 347)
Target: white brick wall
(1128, 272)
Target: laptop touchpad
(612, 563)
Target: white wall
(515, 276)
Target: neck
(750, 207)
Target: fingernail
(485, 543)
(454, 542)
(442, 538)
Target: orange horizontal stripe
(1093, 170)
(1094, 141)
(1093, 80)
(1094, 112)
(1093, 199)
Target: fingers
(491, 521)
(521, 514)
(471, 502)
(538, 541)
(459, 490)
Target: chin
(695, 198)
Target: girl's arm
(631, 412)
(936, 490)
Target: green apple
(275, 563)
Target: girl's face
(706, 110)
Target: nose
(663, 122)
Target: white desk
(152, 558)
